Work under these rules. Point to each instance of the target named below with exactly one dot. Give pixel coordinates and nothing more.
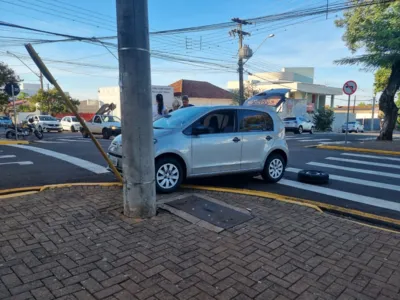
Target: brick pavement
(74, 244)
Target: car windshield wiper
(157, 127)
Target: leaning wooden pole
(46, 73)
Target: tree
(250, 90)
(323, 118)
(51, 102)
(6, 75)
(376, 30)
(362, 104)
(22, 95)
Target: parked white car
(353, 127)
(46, 123)
(70, 123)
(105, 125)
(298, 125)
(212, 141)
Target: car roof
(257, 108)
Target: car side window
(221, 121)
(97, 120)
(253, 121)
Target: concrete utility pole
(373, 113)
(354, 105)
(240, 34)
(41, 81)
(137, 128)
(40, 75)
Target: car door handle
(236, 139)
(268, 138)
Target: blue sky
(313, 42)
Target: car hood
(51, 122)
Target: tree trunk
(388, 106)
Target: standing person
(185, 102)
(159, 109)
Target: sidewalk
(378, 147)
(73, 243)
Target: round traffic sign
(9, 89)
(350, 87)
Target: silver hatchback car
(209, 141)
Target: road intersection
(363, 182)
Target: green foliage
(323, 119)
(250, 89)
(22, 95)
(26, 108)
(381, 79)
(374, 28)
(50, 102)
(6, 75)
(362, 104)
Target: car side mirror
(200, 129)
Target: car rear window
(289, 119)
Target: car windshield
(350, 123)
(289, 119)
(74, 119)
(47, 118)
(179, 118)
(111, 119)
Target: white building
(109, 95)
(300, 81)
(29, 88)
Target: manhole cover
(210, 212)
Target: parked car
(46, 123)
(70, 123)
(105, 125)
(353, 127)
(212, 141)
(5, 121)
(298, 125)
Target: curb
(352, 149)
(318, 206)
(6, 142)
(9, 193)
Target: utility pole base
(139, 200)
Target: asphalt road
(367, 183)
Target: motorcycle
(24, 131)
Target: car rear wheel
(10, 135)
(73, 128)
(169, 175)
(274, 168)
(312, 130)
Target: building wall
(209, 101)
(89, 106)
(29, 88)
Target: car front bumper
(115, 132)
(116, 160)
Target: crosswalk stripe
(317, 140)
(364, 171)
(343, 195)
(7, 156)
(356, 181)
(334, 143)
(84, 164)
(302, 138)
(21, 163)
(371, 156)
(362, 162)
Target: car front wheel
(274, 168)
(169, 175)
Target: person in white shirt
(159, 110)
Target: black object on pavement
(313, 177)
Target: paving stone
(284, 252)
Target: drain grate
(210, 212)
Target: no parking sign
(350, 87)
